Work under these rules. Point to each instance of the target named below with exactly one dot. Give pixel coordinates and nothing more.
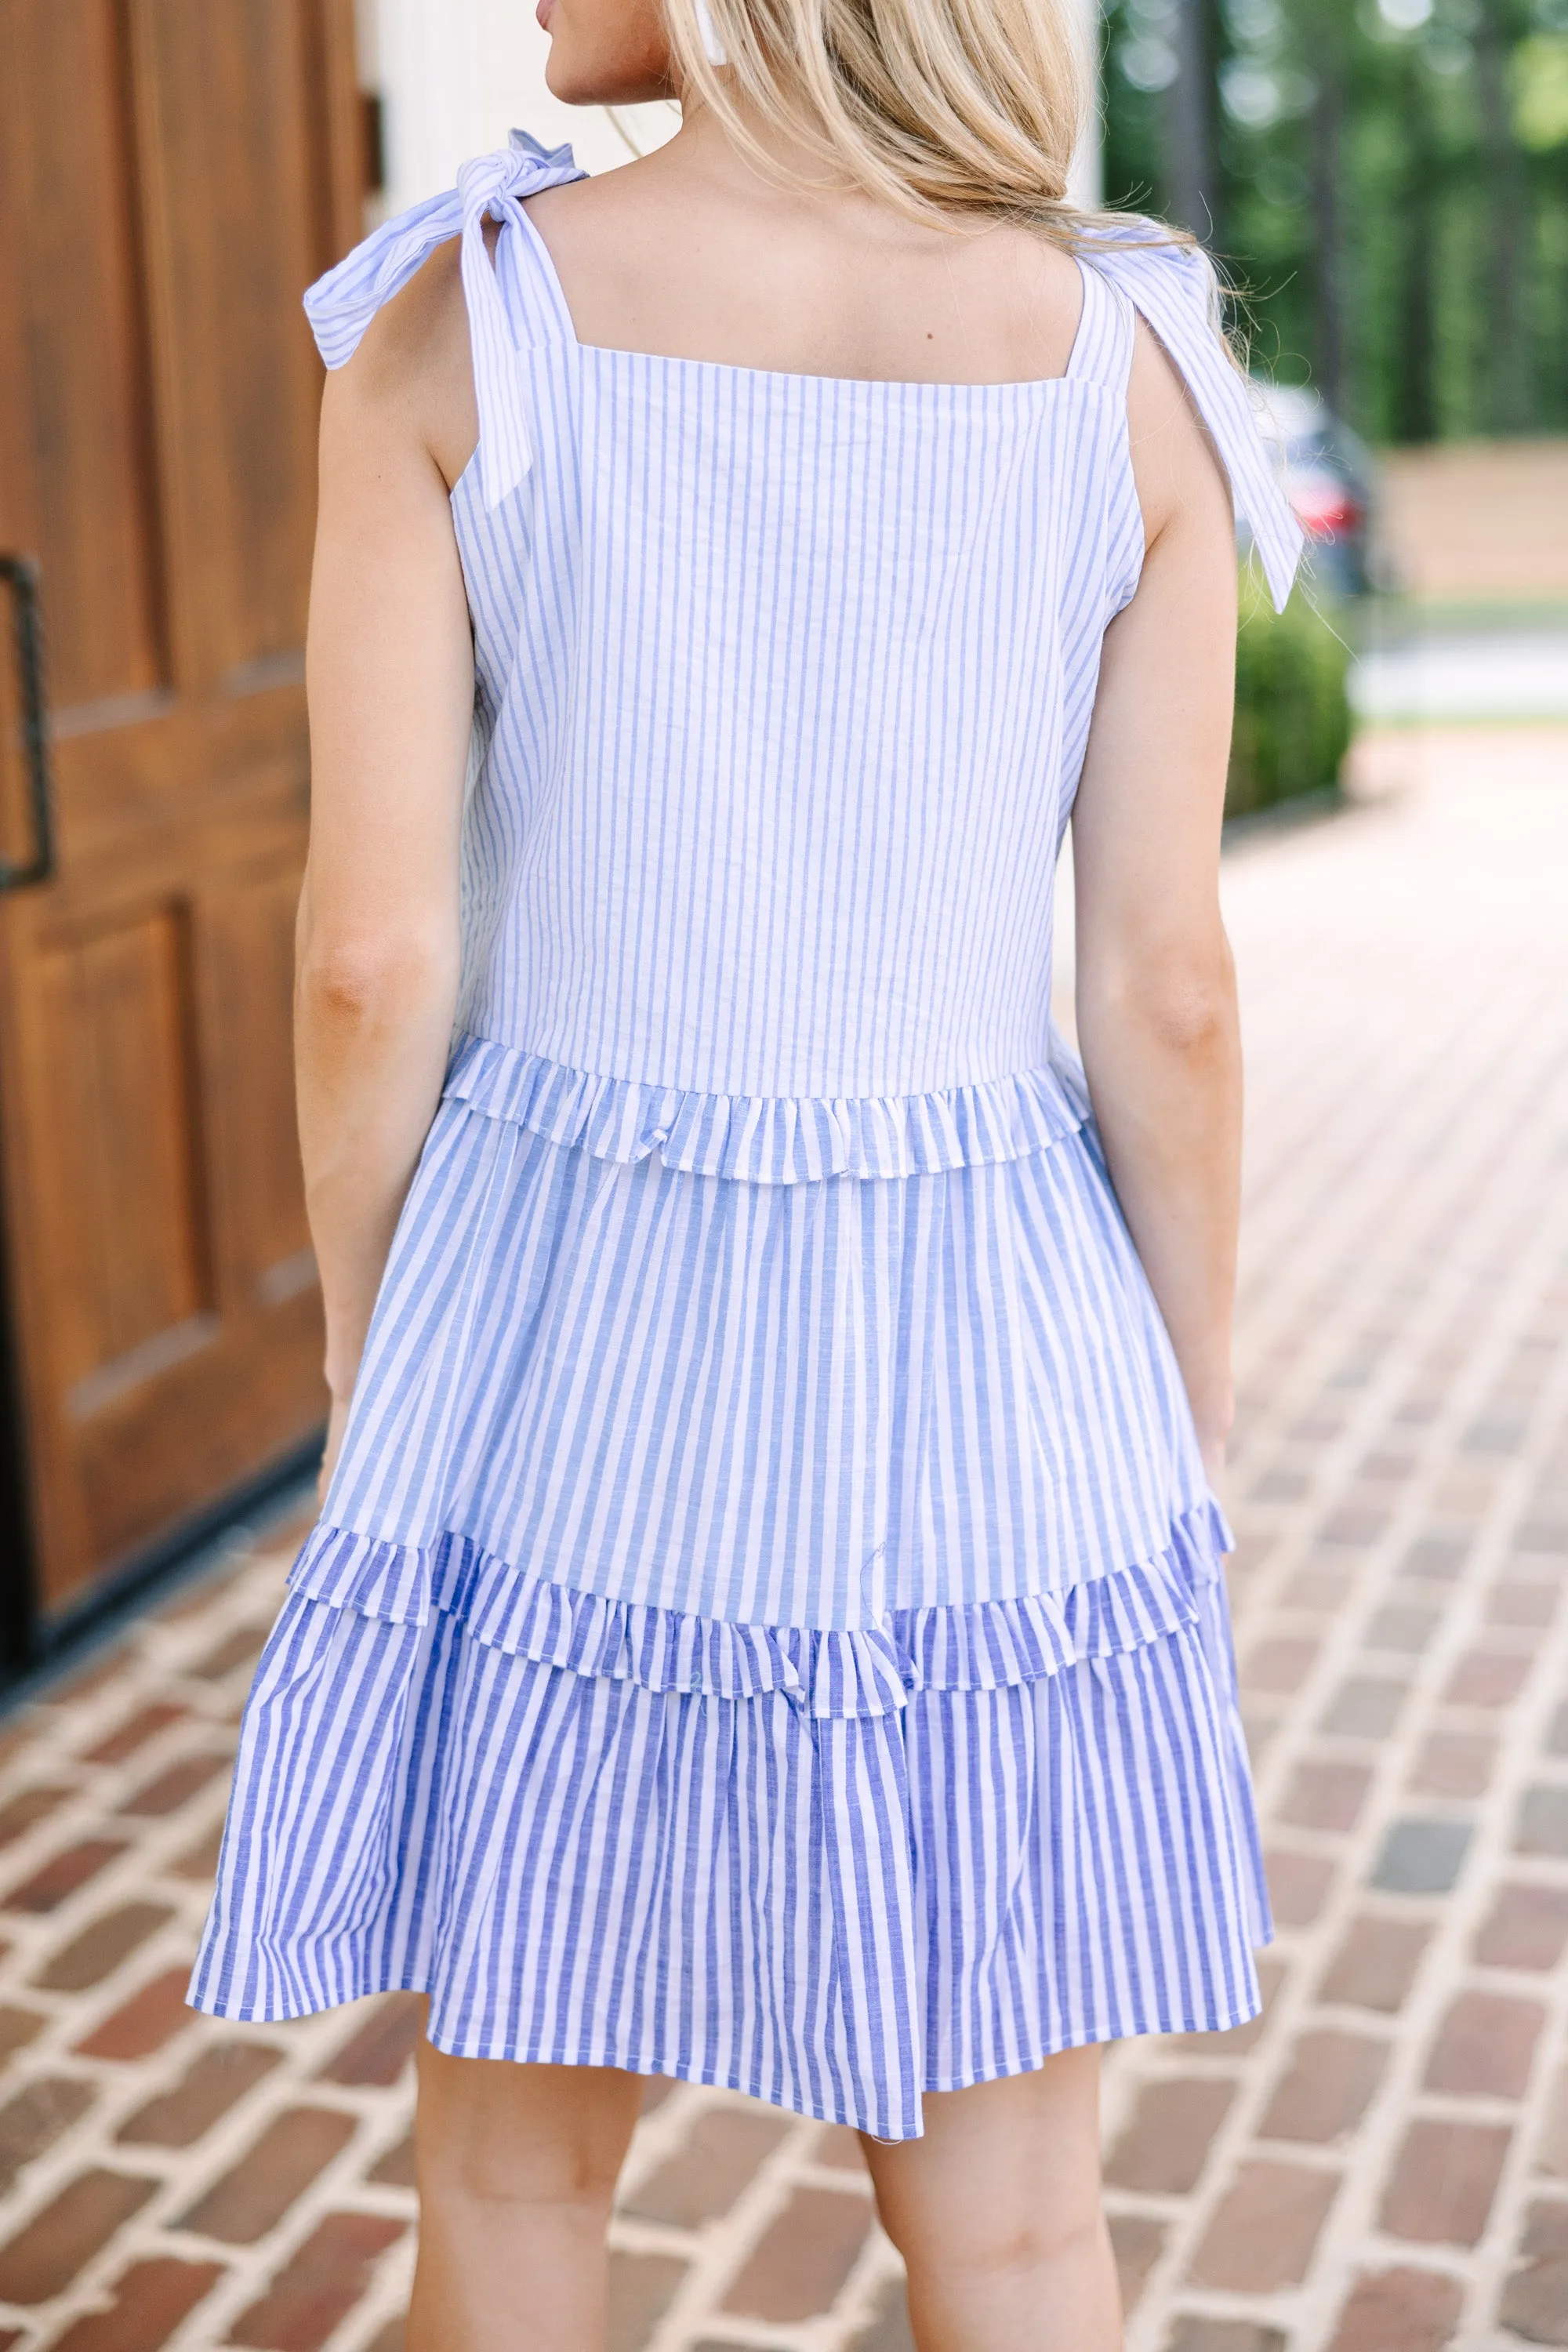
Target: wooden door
(172, 173)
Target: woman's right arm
(390, 683)
(1155, 987)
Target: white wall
(455, 75)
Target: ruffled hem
(770, 1139)
(841, 1672)
(834, 1914)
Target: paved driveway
(1382, 2163)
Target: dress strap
(342, 304)
(1102, 347)
(1174, 287)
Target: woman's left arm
(390, 683)
(1156, 988)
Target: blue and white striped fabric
(767, 1623)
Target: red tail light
(1325, 509)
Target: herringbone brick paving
(1382, 2164)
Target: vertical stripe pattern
(797, 1405)
(836, 1915)
(767, 1623)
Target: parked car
(1331, 480)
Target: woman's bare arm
(1156, 989)
(390, 680)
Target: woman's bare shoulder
(616, 221)
(607, 199)
(1176, 466)
(412, 376)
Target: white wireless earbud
(712, 47)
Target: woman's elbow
(1183, 1005)
(1191, 1016)
(352, 985)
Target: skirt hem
(713, 2078)
(820, 1909)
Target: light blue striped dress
(766, 1626)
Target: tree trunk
(1329, 321)
(1191, 143)
(1415, 358)
(1508, 400)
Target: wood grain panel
(91, 516)
(19, 472)
(172, 173)
(333, 99)
(126, 1228)
(222, 104)
(158, 1449)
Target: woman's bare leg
(517, 2169)
(997, 2213)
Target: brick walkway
(1380, 2166)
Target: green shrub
(1292, 711)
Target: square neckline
(802, 376)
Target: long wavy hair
(946, 110)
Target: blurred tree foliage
(1293, 706)
(1388, 185)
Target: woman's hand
(1212, 1417)
(337, 1420)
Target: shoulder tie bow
(342, 304)
(1175, 288)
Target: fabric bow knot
(1175, 288)
(341, 305)
(494, 186)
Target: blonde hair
(945, 109)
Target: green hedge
(1292, 713)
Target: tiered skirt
(765, 1628)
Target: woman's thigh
(1004, 2172)
(551, 2136)
(517, 2168)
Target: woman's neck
(777, 173)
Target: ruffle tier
(834, 1871)
(770, 1139)
(840, 1672)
